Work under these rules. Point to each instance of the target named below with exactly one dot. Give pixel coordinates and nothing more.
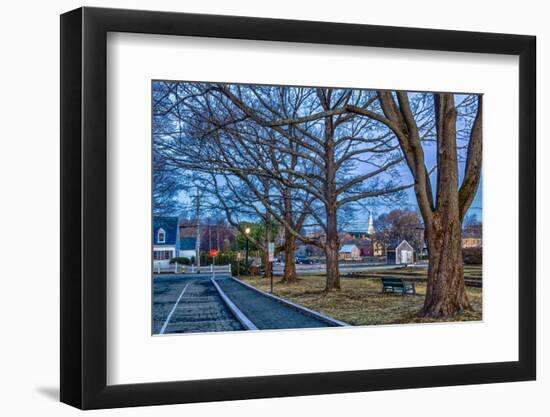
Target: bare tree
(443, 214)
(398, 225)
(251, 132)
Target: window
(162, 255)
(161, 236)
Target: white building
(401, 254)
(371, 231)
(188, 248)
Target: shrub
(239, 268)
(181, 261)
(223, 258)
(472, 256)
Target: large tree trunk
(332, 245)
(332, 248)
(289, 275)
(445, 292)
(333, 273)
(442, 217)
(290, 240)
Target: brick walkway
(199, 309)
(191, 304)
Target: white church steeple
(371, 230)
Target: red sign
(213, 253)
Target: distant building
(165, 240)
(365, 240)
(188, 247)
(211, 235)
(472, 237)
(350, 253)
(472, 242)
(371, 229)
(355, 235)
(378, 248)
(403, 253)
(365, 247)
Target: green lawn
(360, 301)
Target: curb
(239, 315)
(302, 309)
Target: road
(321, 268)
(190, 303)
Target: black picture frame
(84, 207)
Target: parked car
(303, 260)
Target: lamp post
(246, 232)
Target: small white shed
(404, 253)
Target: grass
(360, 301)
(470, 273)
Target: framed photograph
(256, 208)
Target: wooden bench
(397, 285)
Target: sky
(360, 222)
(476, 207)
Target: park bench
(398, 285)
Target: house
(355, 235)
(472, 237)
(349, 253)
(378, 248)
(364, 245)
(188, 247)
(367, 242)
(165, 240)
(403, 253)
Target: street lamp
(247, 232)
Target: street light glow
(247, 230)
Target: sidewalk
(264, 312)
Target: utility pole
(198, 242)
(247, 232)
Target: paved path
(189, 305)
(265, 312)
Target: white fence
(188, 269)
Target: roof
(394, 246)
(361, 244)
(348, 248)
(358, 235)
(188, 229)
(170, 227)
(406, 245)
(188, 243)
(472, 231)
